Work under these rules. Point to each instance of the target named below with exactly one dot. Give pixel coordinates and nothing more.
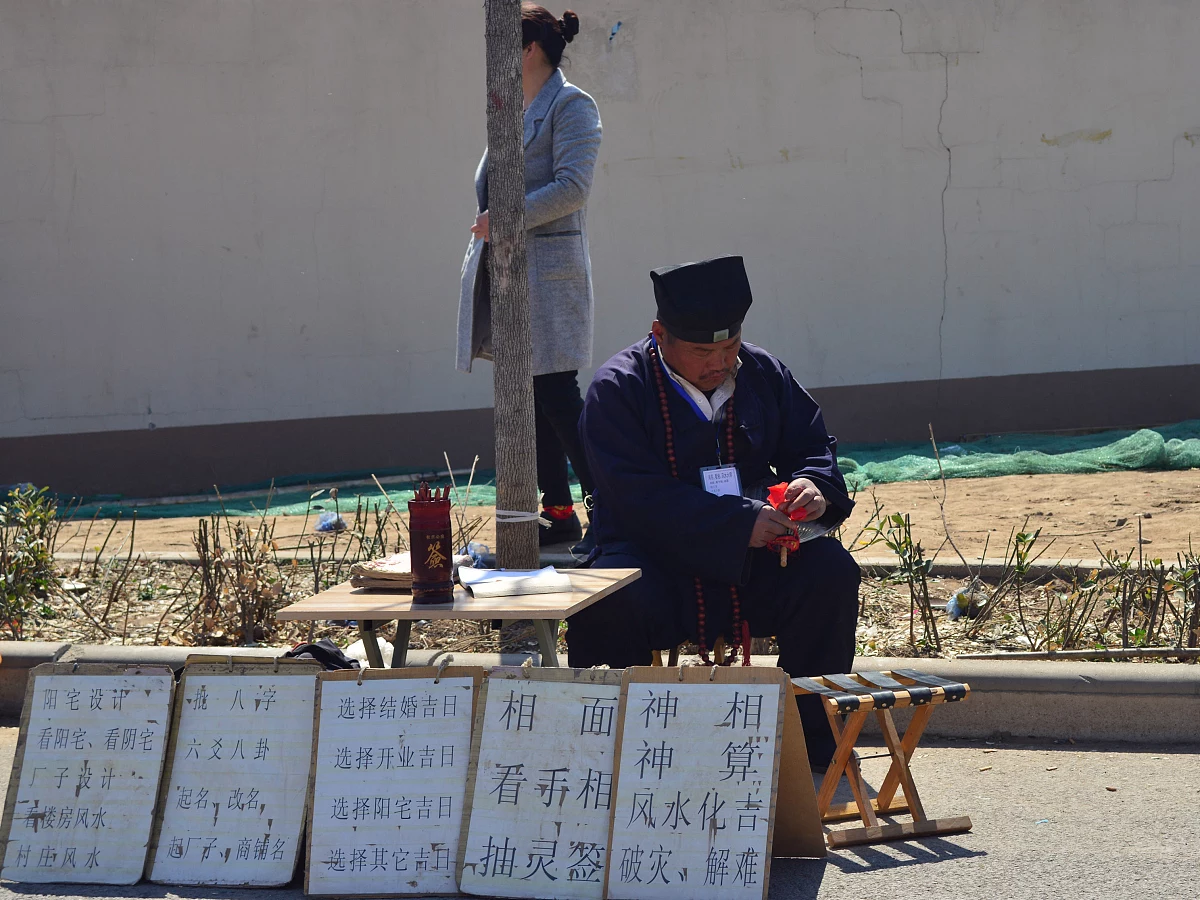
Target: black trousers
(810, 607)
(557, 406)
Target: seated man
(684, 432)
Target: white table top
(346, 602)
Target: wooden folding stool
(848, 700)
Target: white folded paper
(512, 582)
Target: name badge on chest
(723, 481)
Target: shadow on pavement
(800, 879)
(903, 853)
(796, 879)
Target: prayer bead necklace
(741, 629)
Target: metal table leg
(366, 630)
(400, 643)
(547, 637)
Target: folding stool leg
(912, 737)
(843, 757)
(858, 787)
(899, 765)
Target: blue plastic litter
(330, 521)
(953, 610)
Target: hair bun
(570, 25)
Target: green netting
(300, 503)
(1171, 447)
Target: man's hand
(480, 228)
(803, 494)
(769, 525)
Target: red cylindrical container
(431, 547)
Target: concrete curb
(27, 654)
(1083, 701)
(174, 657)
(18, 658)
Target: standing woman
(562, 138)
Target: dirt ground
(1077, 511)
(1074, 510)
(155, 601)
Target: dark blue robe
(779, 428)
(675, 531)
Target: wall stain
(1074, 137)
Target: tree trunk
(512, 343)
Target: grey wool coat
(562, 138)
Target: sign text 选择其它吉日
(389, 783)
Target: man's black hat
(703, 302)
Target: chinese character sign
(543, 785)
(693, 809)
(388, 788)
(234, 803)
(89, 775)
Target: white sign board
(81, 799)
(389, 782)
(695, 791)
(542, 784)
(233, 802)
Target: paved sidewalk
(1046, 825)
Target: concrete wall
(224, 211)
(227, 211)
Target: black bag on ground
(324, 651)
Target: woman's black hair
(551, 34)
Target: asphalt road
(1046, 825)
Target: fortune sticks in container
(432, 549)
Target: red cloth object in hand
(776, 496)
(788, 542)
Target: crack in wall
(945, 55)
(1137, 183)
(899, 21)
(862, 83)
